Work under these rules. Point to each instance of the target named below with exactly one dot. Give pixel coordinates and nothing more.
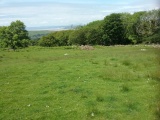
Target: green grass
(107, 83)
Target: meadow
(67, 83)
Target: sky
(36, 13)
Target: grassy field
(66, 83)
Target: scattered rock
(66, 54)
(92, 114)
(143, 49)
(29, 105)
(86, 47)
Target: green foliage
(35, 36)
(145, 26)
(58, 38)
(94, 36)
(95, 24)
(3, 39)
(82, 35)
(14, 36)
(115, 29)
(62, 37)
(78, 37)
(48, 41)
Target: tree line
(114, 29)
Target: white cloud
(65, 13)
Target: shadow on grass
(100, 98)
(131, 106)
(127, 63)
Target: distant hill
(50, 28)
(34, 35)
(37, 32)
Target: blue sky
(36, 13)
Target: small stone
(92, 114)
(66, 54)
(143, 49)
(29, 105)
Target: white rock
(143, 49)
(92, 114)
(66, 54)
(29, 105)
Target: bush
(48, 41)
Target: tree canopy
(114, 29)
(13, 36)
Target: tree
(148, 25)
(18, 33)
(15, 35)
(3, 38)
(113, 29)
(127, 24)
(94, 33)
(93, 36)
(134, 27)
(48, 41)
(78, 37)
(62, 37)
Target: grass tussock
(127, 63)
(125, 88)
(100, 98)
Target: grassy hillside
(66, 83)
(38, 34)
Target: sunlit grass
(60, 83)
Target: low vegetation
(68, 83)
